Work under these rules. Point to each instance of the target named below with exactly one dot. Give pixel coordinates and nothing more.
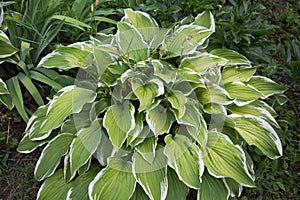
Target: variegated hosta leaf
(116, 181)
(143, 22)
(224, 159)
(257, 111)
(256, 131)
(212, 188)
(160, 120)
(51, 155)
(234, 187)
(266, 86)
(139, 194)
(205, 19)
(54, 187)
(242, 93)
(79, 186)
(164, 71)
(152, 177)
(147, 149)
(67, 57)
(234, 73)
(104, 150)
(176, 188)
(201, 62)
(213, 94)
(103, 58)
(131, 42)
(119, 121)
(178, 101)
(84, 145)
(35, 122)
(233, 57)
(70, 100)
(7, 49)
(3, 87)
(195, 123)
(185, 158)
(184, 41)
(139, 125)
(27, 145)
(146, 92)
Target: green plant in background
(26, 32)
(153, 115)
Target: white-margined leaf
(234, 73)
(139, 194)
(3, 87)
(27, 145)
(184, 41)
(185, 158)
(143, 22)
(152, 177)
(214, 94)
(178, 101)
(201, 62)
(164, 71)
(160, 120)
(212, 188)
(234, 187)
(51, 155)
(84, 145)
(70, 100)
(195, 123)
(242, 93)
(266, 86)
(224, 159)
(7, 49)
(147, 148)
(205, 19)
(79, 187)
(257, 111)
(233, 57)
(146, 92)
(176, 188)
(116, 181)
(66, 57)
(256, 131)
(119, 121)
(54, 187)
(131, 42)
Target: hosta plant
(152, 115)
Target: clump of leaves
(152, 115)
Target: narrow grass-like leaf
(31, 88)
(16, 96)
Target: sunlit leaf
(224, 159)
(116, 181)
